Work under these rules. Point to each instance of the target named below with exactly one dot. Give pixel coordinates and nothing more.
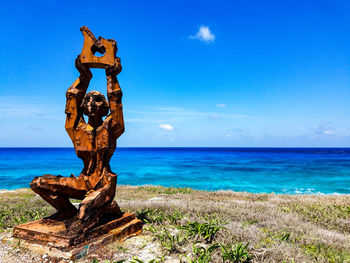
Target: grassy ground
(184, 225)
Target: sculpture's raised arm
(75, 95)
(114, 93)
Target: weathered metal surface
(54, 232)
(107, 49)
(94, 142)
(127, 227)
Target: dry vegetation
(184, 225)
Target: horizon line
(199, 147)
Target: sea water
(256, 170)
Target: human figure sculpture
(94, 142)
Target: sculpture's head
(95, 104)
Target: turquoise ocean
(256, 170)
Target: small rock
(157, 198)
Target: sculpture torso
(95, 147)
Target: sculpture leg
(57, 190)
(95, 205)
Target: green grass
(175, 217)
(95, 260)
(166, 190)
(202, 254)
(331, 254)
(172, 243)
(326, 215)
(185, 223)
(206, 230)
(151, 216)
(236, 253)
(22, 209)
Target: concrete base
(49, 236)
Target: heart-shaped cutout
(98, 50)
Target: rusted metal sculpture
(106, 47)
(94, 142)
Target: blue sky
(195, 73)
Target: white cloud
(323, 129)
(221, 105)
(214, 117)
(167, 127)
(328, 132)
(156, 115)
(204, 34)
